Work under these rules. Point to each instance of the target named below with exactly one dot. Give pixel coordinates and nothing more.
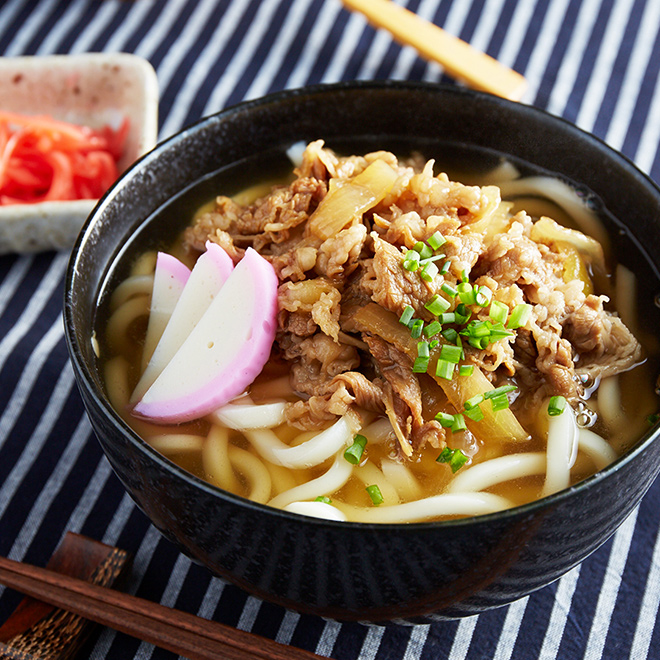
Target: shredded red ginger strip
(43, 159)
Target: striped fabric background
(595, 62)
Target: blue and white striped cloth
(595, 62)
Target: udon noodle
(399, 391)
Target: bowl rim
(524, 510)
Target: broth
(605, 419)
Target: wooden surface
(458, 58)
(38, 630)
(188, 635)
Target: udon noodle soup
(440, 350)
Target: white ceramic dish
(91, 89)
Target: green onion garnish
(451, 353)
(498, 332)
(556, 405)
(498, 312)
(434, 343)
(406, 315)
(411, 260)
(437, 305)
(482, 296)
(474, 401)
(454, 457)
(459, 423)
(653, 418)
(458, 460)
(447, 317)
(451, 291)
(375, 494)
(478, 329)
(478, 342)
(466, 370)
(445, 455)
(421, 364)
(436, 240)
(422, 349)
(323, 498)
(475, 414)
(446, 419)
(432, 329)
(423, 249)
(445, 369)
(445, 267)
(450, 334)
(462, 312)
(429, 271)
(498, 391)
(465, 275)
(354, 453)
(416, 328)
(466, 293)
(519, 316)
(500, 402)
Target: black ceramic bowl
(354, 571)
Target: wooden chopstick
(188, 635)
(458, 58)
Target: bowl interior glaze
(415, 572)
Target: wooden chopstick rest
(37, 630)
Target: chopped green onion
(474, 401)
(653, 418)
(451, 353)
(445, 419)
(498, 391)
(445, 267)
(462, 312)
(423, 249)
(500, 402)
(498, 312)
(478, 329)
(466, 370)
(436, 240)
(445, 369)
(466, 293)
(450, 334)
(498, 332)
(459, 423)
(556, 405)
(323, 498)
(454, 457)
(479, 342)
(422, 348)
(445, 455)
(465, 275)
(434, 343)
(435, 257)
(437, 305)
(449, 289)
(375, 494)
(411, 260)
(482, 296)
(432, 329)
(421, 364)
(519, 316)
(447, 317)
(406, 315)
(354, 453)
(458, 460)
(416, 328)
(429, 271)
(475, 414)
